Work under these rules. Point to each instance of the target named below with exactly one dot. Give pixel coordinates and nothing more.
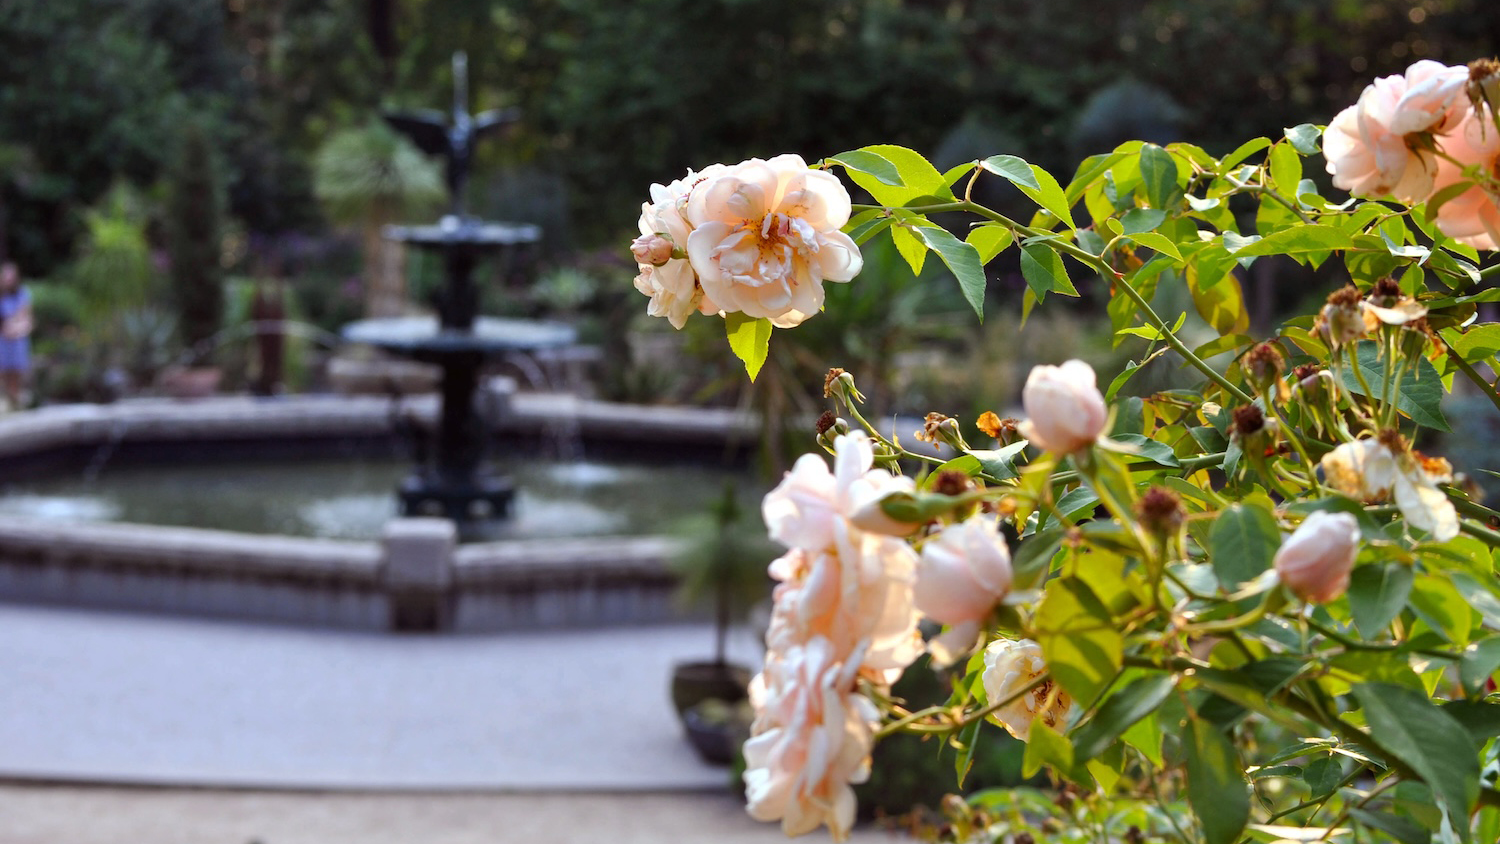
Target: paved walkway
(117, 698)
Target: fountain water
(453, 479)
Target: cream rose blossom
(765, 236)
(1315, 561)
(1065, 409)
(669, 281)
(1012, 665)
(1374, 147)
(1372, 471)
(812, 739)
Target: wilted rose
(1012, 665)
(1315, 561)
(1372, 470)
(1065, 409)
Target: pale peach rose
(1012, 665)
(1371, 471)
(963, 571)
(811, 740)
(1472, 217)
(766, 236)
(801, 510)
(1065, 410)
(857, 595)
(1315, 561)
(1373, 149)
(670, 282)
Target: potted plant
(724, 562)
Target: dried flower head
(1248, 421)
(950, 482)
(1342, 319)
(1160, 510)
(825, 422)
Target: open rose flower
(1315, 561)
(765, 236)
(1064, 408)
(1376, 148)
(1012, 665)
(669, 281)
(1472, 217)
(812, 739)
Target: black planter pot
(715, 743)
(695, 682)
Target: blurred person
(15, 335)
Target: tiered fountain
(451, 477)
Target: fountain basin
(567, 581)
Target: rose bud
(651, 249)
(963, 571)
(1065, 408)
(1314, 562)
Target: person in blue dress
(15, 335)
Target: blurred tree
(193, 222)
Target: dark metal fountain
(451, 477)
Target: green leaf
(1091, 169)
(1044, 271)
(1049, 195)
(1083, 647)
(1322, 775)
(916, 173)
(1406, 724)
(868, 224)
(1436, 601)
(1480, 660)
(1298, 240)
(1013, 168)
(1046, 746)
(1286, 168)
(1421, 389)
(1304, 138)
(966, 742)
(1404, 830)
(999, 464)
(1215, 788)
(1158, 176)
(1143, 446)
(1242, 543)
(1245, 150)
(909, 247)
(1477, 343)
(990, 241)
(750, 339)
(962, 260)
(1377, 593)
(1119, 712)
(1138, 220)
(1158, 241)
(874, 164)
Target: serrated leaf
(999, 464)
(1436, 601)
(750, 339)
(1244, 151)
(1377, 593)
(910, 247)
(1406, 724)
(1158, 176)
(962, 260)
(1286, 168)
(1476, 343)
(1148, 448)
(1322, 776)
(1215, 789)
(874, 164)
(1304, 138)
(1049, 195)
(917, 175)
(1242, 543)
(1091, 169)
(1158, 241)
(1422, 391)
(990, 241)
(1044, 271)
(1012, 168)
(1138, 220)
(1119, 712)
(1046, 746)
(1298, 240)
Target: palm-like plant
(369, 176)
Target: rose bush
(1244, 609)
